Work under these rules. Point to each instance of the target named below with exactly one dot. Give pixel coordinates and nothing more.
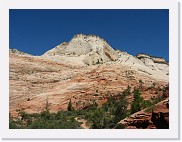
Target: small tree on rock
(70, 107)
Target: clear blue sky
(133, 31)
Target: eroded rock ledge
(156, 118)
(155, 59)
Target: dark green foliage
(46, 120)
(146, 103)
(103, 117)
(55, 124)
(99, 119)
(45, 115)
(137, 102)
(127, 92)
(140, 81)
(150, 108)
(70, 107)
(119, 126)
(110, 113)
(157, 99)
(23, 115)
(121, 107)
(12, 124)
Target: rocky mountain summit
(90, 49)
(85, 70)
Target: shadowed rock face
(86, 70)
(157, 118)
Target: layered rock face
(86, 70)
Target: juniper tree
(70, 107)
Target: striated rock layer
(86, 70)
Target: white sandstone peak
(92, 48)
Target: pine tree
(70, 107)
(137, 102)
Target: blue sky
(133, 31)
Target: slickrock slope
(91, 49)
(156, 117)
(152, 66)
(154, 63)
(86, 70)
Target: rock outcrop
(154, 63)
(155, 117)
(155, 59)
(144, 63)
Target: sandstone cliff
(86, 70)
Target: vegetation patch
(96, 117)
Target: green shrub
(97, 117)
(23, 115)
(146, 103)
(119, 126)
(12, 124)
(45, 115)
